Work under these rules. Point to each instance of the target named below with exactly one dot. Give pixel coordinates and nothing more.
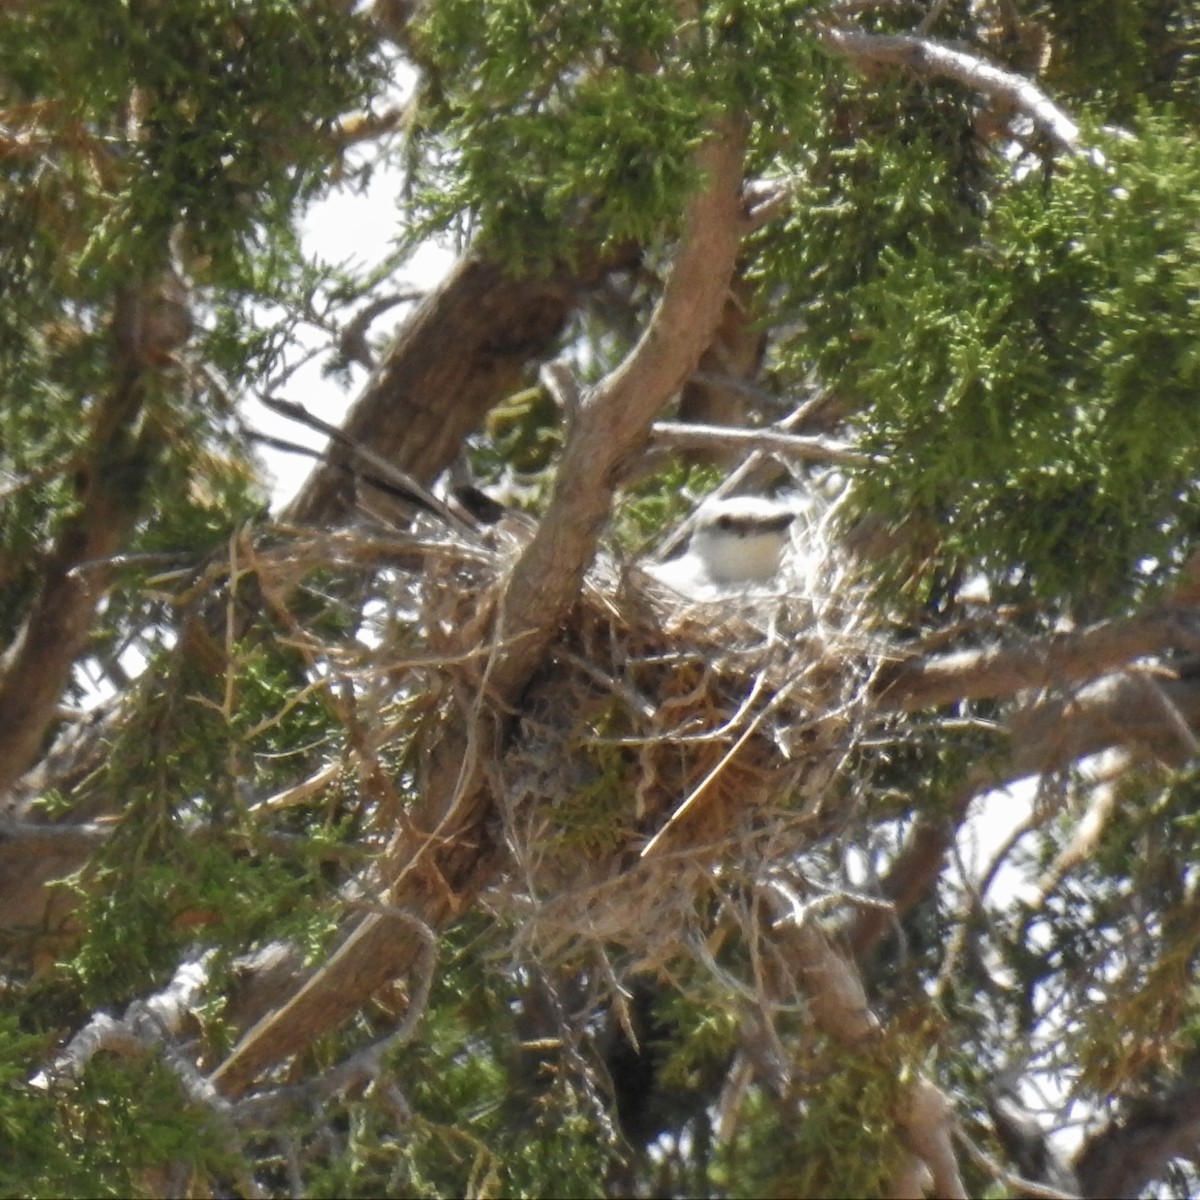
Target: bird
(738, 544)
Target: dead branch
(148, 1026)
(352, 341)
(915, 869)
(1018, 1185)
(930, 59)
(366, 1066)
(1109, 712)
(682, 435)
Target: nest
(672, 749)
(668, 754)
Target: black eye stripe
(749, 526)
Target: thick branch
(913, 873)
(35, 667)
(1055, 661)
(1134, 1152)
(614, 422)
(1152, 718)
(432, 886)
(462, 351)
(442, 864)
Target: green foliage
(138, 132)
(1145, 1029)
(1042, 373)
(1121, 54)
(659, 502)
(231, 104)
(522, 437)
(484, 1111)
(187, 864)
(1014, 340)
(110, 1135)
(601, 105)
(836, 1140)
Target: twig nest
(667, 746)
(669, 741)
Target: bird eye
(725, 522)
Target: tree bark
(443, 862)
(462, 351)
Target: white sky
(356, 229)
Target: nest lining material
(712, 733)
(670, 742)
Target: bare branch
(933, 59)
(1131, 1153)
(366, 1065)
(1044, 736)
(1110, 712)
(352, 341)
(1054, 661)
(32, 837)
(1016, 1184)
(930, 19)
(387, 474)
(679, 434)
(838, 1005)
(147, 1026)
(356, 128)
(614, 421)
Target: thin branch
(684, 435)
(796, 418)
(1015, 1184)
(930, 19)
(387, 474)
(767, 200)
(838, 1004)
(934, 60)
(367, 126)
(1047, 735)
(352, 341)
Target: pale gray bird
(738, 544)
